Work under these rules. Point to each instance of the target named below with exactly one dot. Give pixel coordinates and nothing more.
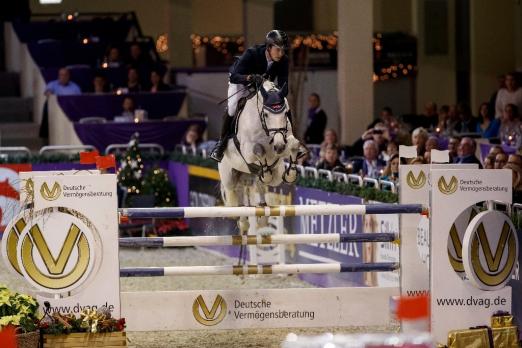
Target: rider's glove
(256, 80)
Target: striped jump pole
(281, 210)
(166, 242)
(258, 269)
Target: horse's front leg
(261, 190)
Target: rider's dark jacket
(254, 61)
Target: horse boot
(221, 145)
(303, 150)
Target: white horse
(263, 141)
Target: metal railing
(6, 150)
(151, 147)
(65, 148)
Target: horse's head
(274, 115)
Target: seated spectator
(510, 126)
(466, 123)
(501, 160)
(114, 58)
(133, 81)
(516, 180)
(512, 94)
(391, 171)
(388, 119)
(128, 108)
(331, 159)
(419, 136)
(330, 138)
(466, 152)
(489, 162)
(156, 81)
(443, 119)
(371, 165)
(495, 150)
(192, 136)
(432, 144)
(142, 62)
(316, 121)
(391, 149)
(431, 117)
(63, 85)
(379, 133)
(100, 84)
(453, 148)
(488, 126)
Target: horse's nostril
(279, 148)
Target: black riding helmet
(278, 38)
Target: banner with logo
(415, 233)
(328, 252)
(454, 191)
(66, 245)
(256, 308)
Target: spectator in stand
(371, 165)
(128, 108)
(156, 80)
(466, 123)
(113, 59)
(432, 143)
(417, 160)
(488, 126)
(391, 171)
(431, 117)
(443, 119)
(100, 84)
(133, 80)
(466, 152)
(510, 126)
(419, 136)
(192, 136)
(330, 138)
(489, 162)
(453, 148)
(495, 150)
(63, 85)
(331, 159)
(140, 61)
(316, 121)
(512, 94)
(391, 149)
(501, 160)
(517, 180)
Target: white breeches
(232, 101)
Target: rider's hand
(256, 80)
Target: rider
(259, 62)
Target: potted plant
(20, 312)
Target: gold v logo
(210, 317)
(12, 242)
(50, 194)
(493, 275)
(57, 279)
(446, 188)
(456, 261)
(416, 182)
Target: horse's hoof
(243, 227)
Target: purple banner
(179, 177)
(328, 252)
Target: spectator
(133, 81)
(489, 162)
(419, 136)
(141, 62)
(330, 138)
(512, 94)
(496, 149)
(156, 80)
(510, 126)
(500, 160)
(192, 136)
(391, 171)
(63, 85)
(488, 125)
(430, 115)
(466, 123)
(100, 84)
(466, 152)
(417, 160)
(371, 165)
(443, 119)
(128, 108)
(391, 149)
(432, 144)
(114, 58)
(501, 81)
(331, 159)
(453, 148)
(316, 121)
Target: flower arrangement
(18, 310)
(173, 227)
(90, 321)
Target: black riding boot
(219, 149)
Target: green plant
(18, 310)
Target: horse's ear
(283, 91)
(264, 93)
